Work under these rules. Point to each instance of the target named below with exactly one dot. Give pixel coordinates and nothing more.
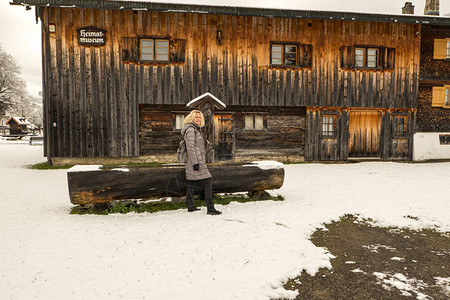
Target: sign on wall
(91, 36)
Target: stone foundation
(282, 158)
(164, 159)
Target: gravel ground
(378, 263)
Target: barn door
(224, 136)
(365, 130)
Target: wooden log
(104, 184)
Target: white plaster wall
(427, 146)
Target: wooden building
(18, 125)
(298, 85)
(432, 137)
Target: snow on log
(97, 184)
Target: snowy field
(245, 253)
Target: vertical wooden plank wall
(390, 147)
(93, 95)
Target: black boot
(213, 211)
(207, 186)
(190, 197)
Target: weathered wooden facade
(282, 134)
(297, 84)
(432, 136)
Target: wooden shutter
(438, 96)
(305, 53)
(130, 49)
(440, 49)
(383, 57)
(387, 58)
(390, 55)
(177, 50)
(347, 56)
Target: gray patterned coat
(196, 152)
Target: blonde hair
(191, 116)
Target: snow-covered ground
(245, 253)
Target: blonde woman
(197, 174)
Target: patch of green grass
(324, 162)
(152, 207)
(47, 166)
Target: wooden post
(208, 131)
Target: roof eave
(238, 11)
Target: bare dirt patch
(378, 263)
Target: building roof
(206, 97)
(18, 120)
(146, 5)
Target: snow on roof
(218, 103)
(19, 120)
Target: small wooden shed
(18, 125)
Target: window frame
(441, 48)
(155, 52)
(264, 121)
(403, 133)
(448, 49)
(284, 45)
(366, 56)
(441, 96)
(444, 139)
(175, 115)
(446, 96)
(325, 133)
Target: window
(444, 139)
(441, 96)
(179, 122)
(284, 55)
(372, 58)
(329, 126)
(359, 57)
(447, 97)
(400, 125)
(156, 50)
(448, 49)
(254, 122)
(287, 54)
(441, 48)
(366, 57)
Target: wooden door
(365, 132)
(224, 136)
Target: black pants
(203, 186)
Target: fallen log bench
(100, 184)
